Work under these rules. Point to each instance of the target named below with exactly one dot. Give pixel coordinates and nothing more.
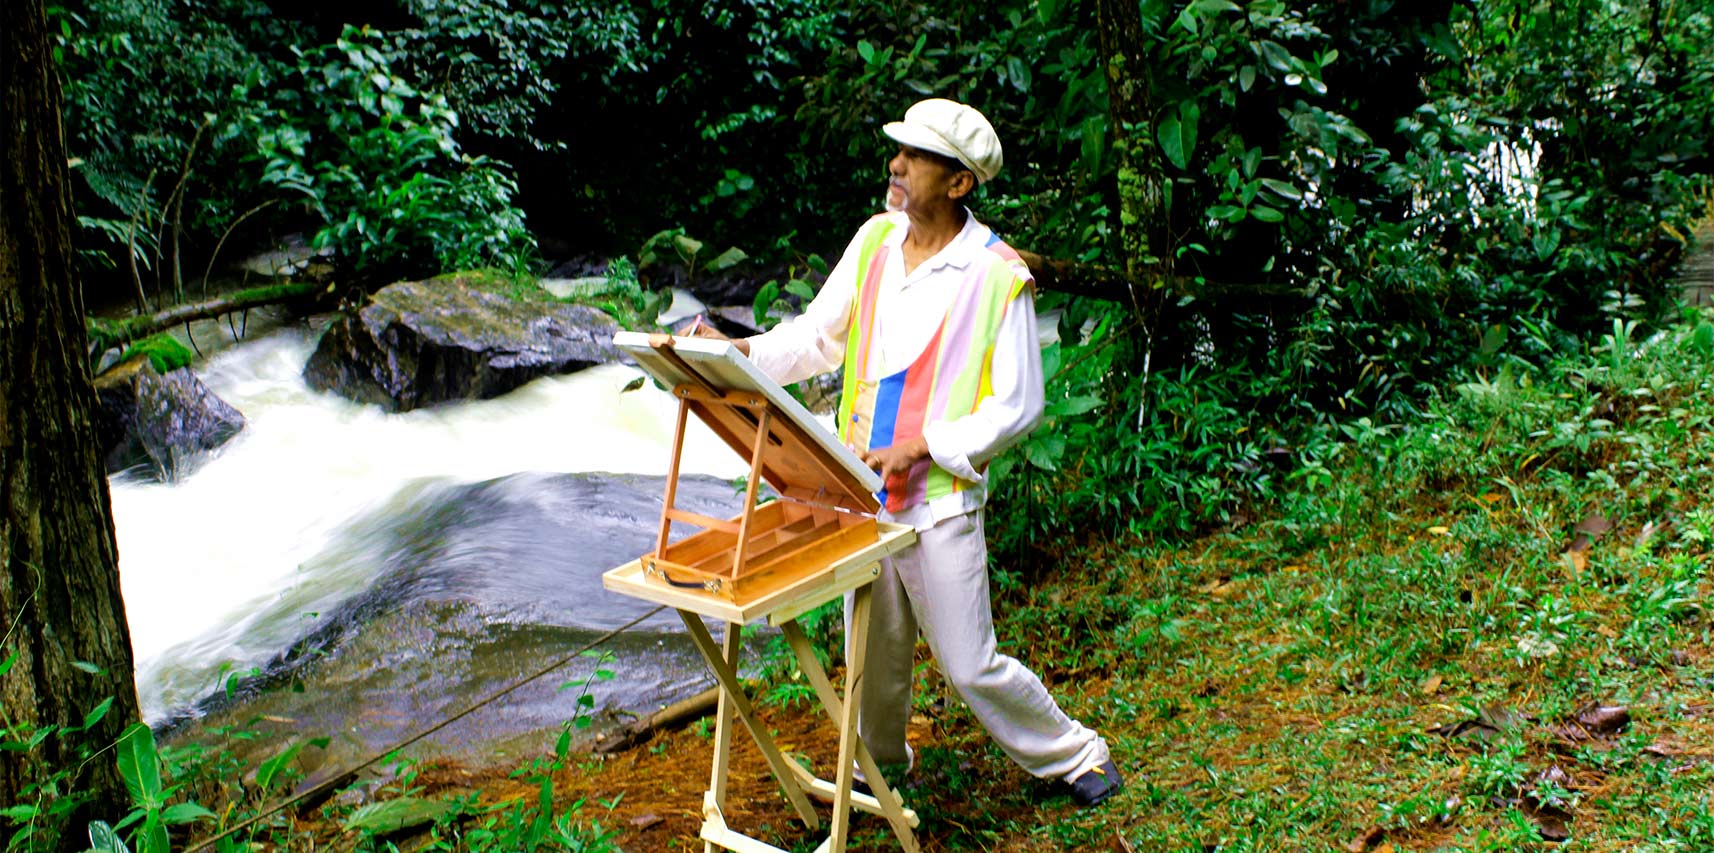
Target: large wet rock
(164, 424)
(449, 593)
(419, 343)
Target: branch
(107, 334)
(1105, 283)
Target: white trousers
(940, 586)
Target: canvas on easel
(826, 505)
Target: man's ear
(963, 185)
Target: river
(390, 568)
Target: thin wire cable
(341, 777)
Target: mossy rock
(165, 353)
(454, 337)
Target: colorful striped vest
(947, 381)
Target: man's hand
(699, 327)
(896, 461)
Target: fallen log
(676, 715)
(108, 334)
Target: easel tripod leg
(892, 809)
(723, 663)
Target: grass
(1415, 677)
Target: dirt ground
(656, 788)
(651, 794)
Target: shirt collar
(955, 254)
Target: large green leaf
(185, 813)
(1074, 406)
(1045, 452)
(1283, 189)
(394, 815)
(1177, 134)
(21, 813)
(726, 259)
(103, 839)
(140, 766)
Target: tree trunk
(59, 575)
(1131, 108)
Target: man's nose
(896, 166)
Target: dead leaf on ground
(1604, 719)
(644, 821)
(1673, 748)
(1123, 844)
(1576, 561)
(1595, 721)
(1440, 530)
(1432, 685)
(1489, 722)
(1589, 531)
(1552, 827)
(1366, 840)
(1220, 587)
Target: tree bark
(59, 575)
(1131, 106)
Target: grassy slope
(1280, 686)
(1398, 656)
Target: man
(933, 319)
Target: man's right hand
(699, 327)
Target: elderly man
(933, 319)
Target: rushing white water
(201, 558)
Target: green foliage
(497, 63)
(165, 352)
(376, 161)
(622, 295)
(140, 767)
(167, 786)
(188, 120)
(152, 121)
(48, 795)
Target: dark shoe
(1095, 786)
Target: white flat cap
(953, 129)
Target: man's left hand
(896, 461)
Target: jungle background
(1364, 308)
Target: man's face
(920, 178)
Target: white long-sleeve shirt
(908, 310)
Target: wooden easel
(778, 562)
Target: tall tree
(65, 634)
(1133, 99)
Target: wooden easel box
(778, 596)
